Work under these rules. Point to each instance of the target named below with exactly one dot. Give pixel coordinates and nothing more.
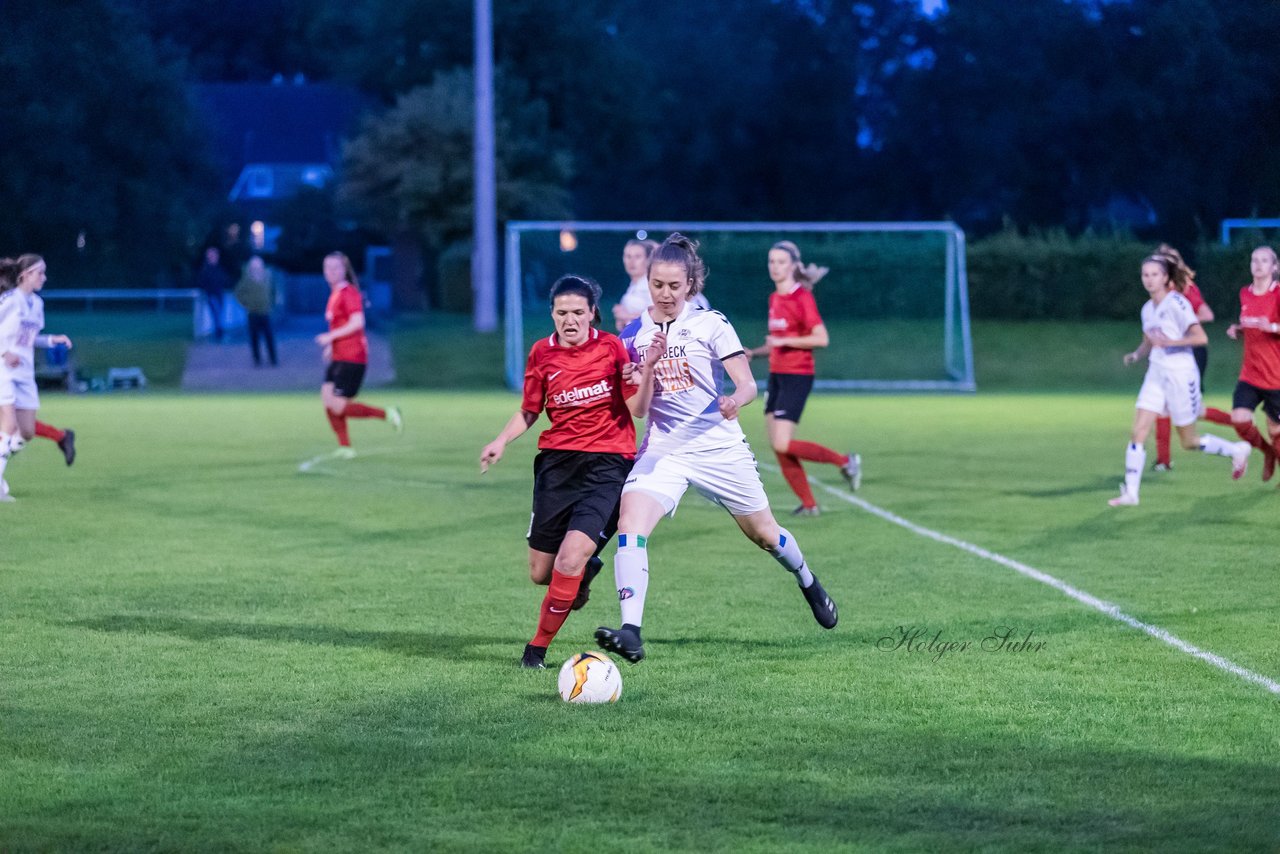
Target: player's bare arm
(639, 402)
(1144, 350)
(516, 427)
(353, 325)
(1195, 337)
(817, 339)
(739, 370)
(1263, 323)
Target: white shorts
(724, 476)
(18, 389)
(1172, 393)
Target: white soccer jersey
(688, 380)
(1173, 317)
(637, 298)
(21, 319)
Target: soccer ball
(590, 677)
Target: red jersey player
(577, 375)
(795, 331)
(346, 349)
(1260, 369)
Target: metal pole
(484, 252)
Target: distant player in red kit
(795, 331)
(577, 375)
(346, 349)
(1260, 369)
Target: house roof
(278, 122)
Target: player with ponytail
(795, 331)
(692, 438)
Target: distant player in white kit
(1172, 385)
(692, 438)
(21, 321)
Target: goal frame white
(956, 311)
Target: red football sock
(1217, 416)
(556, 606)
(795, 477)
(1250, 434)
(814, 452)
(359, 410)
(48, 431)
(1163, 428)
(339, 425)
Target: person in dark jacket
(256, 292)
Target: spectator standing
(214, 282)
(257, 293)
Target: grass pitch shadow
(446, 645)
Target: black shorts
(1248, 397)
(346, 378)
(786, 394)
(575, 491)
(1202, 362)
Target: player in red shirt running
(1186, 275)
(795, 331)
(577, 375)
(1260, 369)
(346, 349)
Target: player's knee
(540, 575)
(766, 538)
(781, 447)
(571, 565)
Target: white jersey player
(1170, 329)
(21, 322)
(688, 380)
(692, 438)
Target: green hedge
(1050, 275)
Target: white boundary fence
(201, 321)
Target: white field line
(326, 465)
(330, 458)
(1112, 611)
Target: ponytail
(678, 249)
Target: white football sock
(1135, 460)
(4, 453)
(631, 574)
(1212, 444)
(788, 554)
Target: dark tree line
(1156, 115)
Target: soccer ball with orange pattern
(590, 677)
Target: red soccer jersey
(1261, 365)
(343, 303)
(791, 316)
(582, 390)
(1193, 295)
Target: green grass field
(202, 648)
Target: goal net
(895, 300)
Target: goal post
(895, 301)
